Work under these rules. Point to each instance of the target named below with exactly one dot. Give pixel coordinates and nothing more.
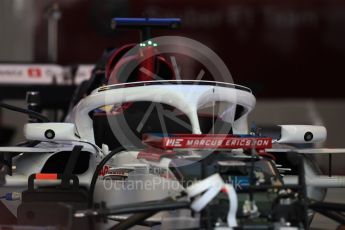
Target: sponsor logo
(10, 72)
(218, 143)
(104, 170)
(34, 72)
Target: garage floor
(321, 222)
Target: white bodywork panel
(149, 186)
(32, 160)
(186, 98)
(296, 134)
(62, 131)
(307, 150)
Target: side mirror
(302, 134)
(50, 131)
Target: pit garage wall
(264, 43)
(17, 22)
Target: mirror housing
(302, 134)
(50, 131)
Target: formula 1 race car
(146, 149)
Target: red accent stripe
(115, 57)
(46, 176)
(204, 141)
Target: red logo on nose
(34, 72)
(104, 170)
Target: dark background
(286, 48)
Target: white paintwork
(15, 149)
(33, 159)
(21, 181)
(295, 133)
(116, 192)
(181, 81)
(187, 98)
(83, 73)
(318, 181)
(43, 74)
(307, 150)
(63, 131)
(28, 74)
